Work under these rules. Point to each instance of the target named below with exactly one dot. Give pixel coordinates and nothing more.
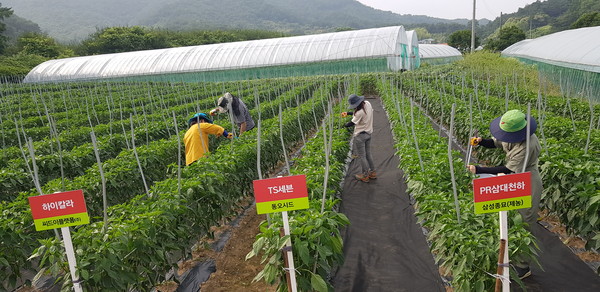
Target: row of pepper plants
(123, 179)
(314, 232)
(15, 177)
(465, 247)
(71, 106)
(146, 118)
(570, 158)
(132, 251)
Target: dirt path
(234, 272)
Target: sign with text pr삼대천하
(280, 194)
(59, 210)
(502, 193)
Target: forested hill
(544, 17)
(73, 20)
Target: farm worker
(196, 137)
(362, 121)
(509, 132)
(239, 112)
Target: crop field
(122, 144)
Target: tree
(33, 43)
(507, 36)
(4, 13)
(422, 33)
(587, 20)
(462, 40)
(123, 39)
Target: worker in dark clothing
(510, 133)
(239, 112)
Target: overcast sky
(449, 9)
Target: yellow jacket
(195, 144)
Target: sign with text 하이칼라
(59, 210)
(280, 194)
(502, 193)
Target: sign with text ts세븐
(280, 194)
(59, 210)
(502, 193)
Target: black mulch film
(562, 269)
(385, 248)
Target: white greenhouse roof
(347, 45)
(432, 51)
(576, 48)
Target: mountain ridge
(74, 20)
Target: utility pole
(530, 26)
(473, 29)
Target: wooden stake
(285, 261)
(500, 268)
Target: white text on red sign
(506, 187)
(284, 189)
(58, 205)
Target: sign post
(500, 194)
(61, 210)
(282, 194)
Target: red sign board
(57, 204)
(501, 193)
(59, 210)
(281, 194)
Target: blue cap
(200, 116)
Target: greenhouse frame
(367, 50)
(570, 58)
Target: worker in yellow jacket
(196, 137)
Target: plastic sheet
(562, 269)
(384, 246)
(196, 276)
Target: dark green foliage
(14, 68)
(203, 37)
(551, 16)
(135, 38)
(462, 40)
(123, 39)
(507, 36)
(587, 20)
(33, 43)
(4, 13)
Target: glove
(474, 141)
(230, 136)
(344, 114)
(213, 112)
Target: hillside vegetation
(550, 16)
(80, 18)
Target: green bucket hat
(511, 127)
